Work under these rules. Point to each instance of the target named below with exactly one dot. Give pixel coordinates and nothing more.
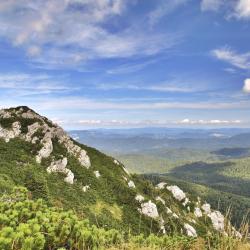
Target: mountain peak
(25, 123)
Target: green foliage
(32, 225)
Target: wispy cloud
(130, 68)
(228, 55)
(146, 123)
(174, 85)
(238, 9)
(67, 104)
(67, 32)
(162, 87)
(163, 9)
(208, 122)
(211, 5)
(22, 84)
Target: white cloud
(239, 9)
(226, 54)
(145, 123)
(162, 87)
(34, 51)
(65, 32)
(211, 5)
(77, 103)
(166, 7)
(129, 68)
(242, 9)
(208, 122)
(21, 84)
(246, 87)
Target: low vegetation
(31, 225)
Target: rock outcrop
(60, 166)
(190, 230)
(48, 133)
(131, 184)
(177, 192)
(11, 133)
(149, 209)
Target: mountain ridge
(72, 175)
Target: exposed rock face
(177, 192)
(116, 162)
(131, 184)
(207, 208)
(47, 148)
(50, 132)
(60, 167)
(139, 198)
(12, 133)
(97, 174)
(216, 217)
(161, 185)
(218, 220)
(197, 212)
(85, 188)
(185, 202)
(149, 209)
(162, 227)
(32, 129)
(73, 149)
(190, 231)
(31, 115)
(4, 114)
(125, 170)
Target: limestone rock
(73, 149)
(125, 170)
(12, 133)
(131, 184)
(206, 208)
(197, 212)
(161, 185)
(139, 198)
(149, 209)
(5, 114)
(47, 148)
(116, 162)
(217, 220)
(186, 201)
(60, 167)
(177, 192)
(216, 217)
(31, 131)
(85, 188)
(97, 174)
(190, 231)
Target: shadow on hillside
(232, 152)
(211, 174)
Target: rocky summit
(39, 155)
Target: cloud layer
(67, 32)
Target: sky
(128, 63)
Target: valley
(211, 163)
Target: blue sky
(128, 63)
